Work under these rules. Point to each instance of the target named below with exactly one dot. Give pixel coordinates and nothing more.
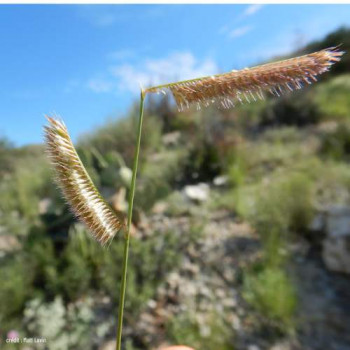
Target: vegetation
(211, 333)
(284, 159)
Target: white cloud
(107, 15)
(249, 11)
(177, 66)
(240, 31)
(252, 9)
(289, 39)
(279, 44)
(100, 85)
(129, 78)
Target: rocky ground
(209, 281)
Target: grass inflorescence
(248, 85)
(77, 186)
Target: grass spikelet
(77, 187)
(248, 85)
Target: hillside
(240, 232)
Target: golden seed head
(250, 84)
(77, 187)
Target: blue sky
(85, 62)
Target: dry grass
(250, 84)
(77, 186)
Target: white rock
(336, 254)
(199, 193)
(171, 138)
(152, 304)
(253, 347)
(336, 246)
(338, 221)
(220, 180)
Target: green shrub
(207, 333)
(40, 250)
(13, 223)
(341, 35)
(151, 259)
(271, 292)
(81, 264)
(275, 149)
(276, 207)
(248, 115)
(331, 180)
(279, 202)
(63, 327)
(202, 163)
(157, 177)
(238, 169)
(208, 142)
(119, 135)
(332, 97)
(76, 275)
(283, 135)
(16, 279)
(335, 144)
(177, 204)
(6, 156)
(22, 190)
(298, 109)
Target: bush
(120, 136)
(150, 260)
(202, 163)
(206, 333)
(330, 179)
(276, 148)
(341, 35)
(22, 190)
(335, 144)
(279, 202)
(75, 277)
(63, 327)
(6, 158)
(177, 204)
(271, 292)
(332, 183)
(158, 176)
(43, 261)
(332, 97)
(16, 278)
(298, 110)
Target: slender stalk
(127, 235)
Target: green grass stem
(127, 235)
